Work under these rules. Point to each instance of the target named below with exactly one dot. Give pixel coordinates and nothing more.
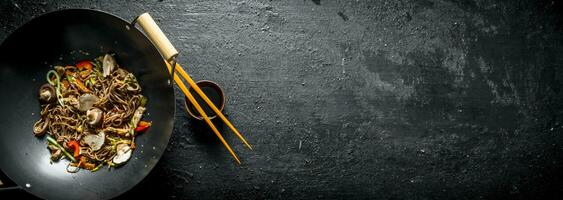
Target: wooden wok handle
(157, 37)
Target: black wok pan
(62, 37)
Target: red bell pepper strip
(142, 126)
(85, 64)
(75, 146)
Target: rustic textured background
(391, 99)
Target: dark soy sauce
(212, 93)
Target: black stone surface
(390, 99)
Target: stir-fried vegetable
(98, 167)
(84, 65)
(144, 101)
(85, 73)
(47, 93)
(97, 62)
(57, 83)
(95, 142)
(143, 125)
(77, 83)
(109, 65)
(94, 116)
(75, 146)
(86, 164)
(65, 83)
(54, 142)
(40, 126)
(86, 101)
(123, 154)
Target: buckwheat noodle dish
(91, 113)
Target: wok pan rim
(166, 132)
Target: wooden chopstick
(201, 112)
(210, 103)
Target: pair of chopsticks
(192, 84)
(169, 53)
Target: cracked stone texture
(389, 99)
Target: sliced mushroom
(109, 65)
(52, 147)
(55, 152)
(47, 93)
(95, 142)
(123, 154)
(137, 116)
(86, 101)
(40, 126)
(94, 116)
(56, 155)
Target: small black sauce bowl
(209, 84)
